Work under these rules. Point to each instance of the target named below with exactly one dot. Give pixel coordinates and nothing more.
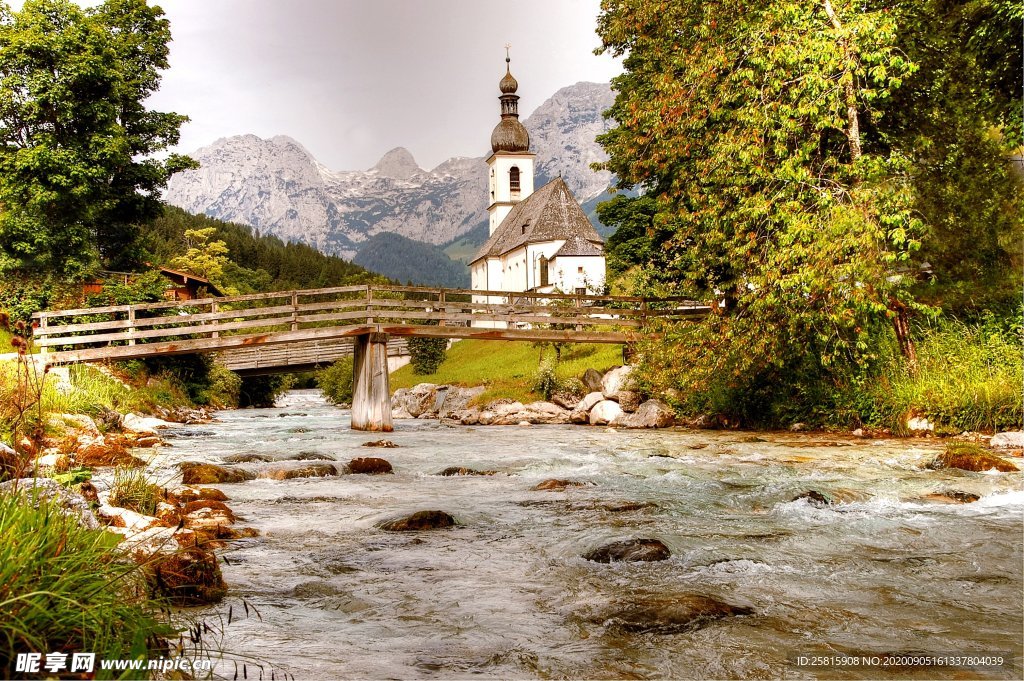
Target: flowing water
(506, 594)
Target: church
(541, 240)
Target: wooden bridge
(296, 330)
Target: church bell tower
(510, 166)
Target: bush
(64, 588)
(131, 489)
(225, 386)
(335, 382)
(426, 354)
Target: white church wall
(501, 196)
(572, 273)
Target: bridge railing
(405, 310)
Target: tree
(203, 257)
(77, 171)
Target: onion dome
(510, 135)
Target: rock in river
(208, 473)
(421, 520)
(370, 465)
(313, 470)
(387, 444)
(631, 550)
(459, 470)
(556, 484)
(670, 615)
(970, 457)
(190, 576)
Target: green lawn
(508, 368)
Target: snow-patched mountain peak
(398, 164)
(278, 187)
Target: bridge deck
(322, 316)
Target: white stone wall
(569, 273)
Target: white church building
(541, 240)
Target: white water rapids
(506, 594)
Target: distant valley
(395, 218)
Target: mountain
(276, 186)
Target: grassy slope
(506, 368)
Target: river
(506, 594)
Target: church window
(513, 180)
(543, 270)
(579, 270)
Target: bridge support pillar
(371, 389)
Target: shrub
(131, 489)
(546, 382)
(335, 382)
(426, 354)
(64, 588)
(225, 386)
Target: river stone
(313, 470)
(1013, 439)
(565, 400)
(630, 550)
(952, 496)
(605, 413)
(420, 400)
(591, 380)
(370, 466)
(70, 503)
(421, 520)
(650, 414)
(556, 484)
(457, 399)
(629, 506)
(459, 470)
(190, 576)
(467, 417)
(311, 456)
(143, 425)
(386, 444)
(248, 458)
(208, 473)
(970, 457)
(674, 615)
(588, 402)
(814, 497)
(617, 379)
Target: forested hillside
(409, 261)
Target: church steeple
(511, 164)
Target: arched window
(513, 180)
(543, 270)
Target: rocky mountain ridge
(276, 186)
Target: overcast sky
(351, 79)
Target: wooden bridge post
(371, 389)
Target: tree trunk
(849, 91)
(901, 324)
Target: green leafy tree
(202, 256)
(426, 354)
(77, 171)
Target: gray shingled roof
(577, 246)
(549, 214)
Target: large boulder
(581, 411)
(467, 417)
(970, 457)
(143, 425)
(457, 399)
(631, 550)
(421, 400)
(1013, 439)
(190, 576)
(605, 413)
(565, 400)
(370, 465)
(212, 474)
(650, 414)
(421, 520)
(591, 380)
(617, 379)
(398, 410)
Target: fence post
(215, 308)
(131, 325)
(369, 307)
(295, 310)
(42, 325)
(443, 308)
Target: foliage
(203, 257)
(426, 354)
(77, 170)
(21, 400)
(507, 369)
(969, 377)
(547, 382)
(789, 190)
(406, 260)
(635, 239)
(335, 382)
(131, 489)
(65, 588)
(262, 391)
(74, 476)
(148, 287)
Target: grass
(131, 489)
(969, 377)
(508, 369)
(65, 589)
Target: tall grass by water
(64, 588)
(968, 377)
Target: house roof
(186, 277)
(550, 213)
(576, 246)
